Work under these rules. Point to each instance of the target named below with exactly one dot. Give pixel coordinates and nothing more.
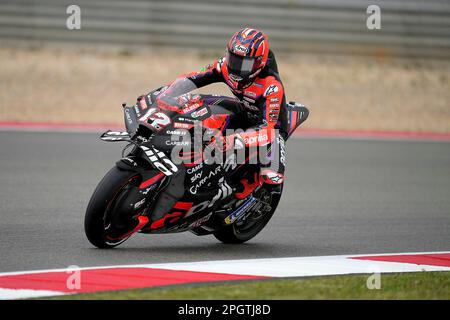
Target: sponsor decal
(191, 108)
(199, 113)
(240, 48)
(177, 132)
(159, 120)
(204, 180)
(160, 161)
(274, 100)
(189, 120)
(195, 169)
(180, 125)
(240, 211)
(273, 117)
(177, 143)
(115, 136)
(282, 150)
(148, 114)
(256, 139)
(223, 192)
(274, 113)
(274, 105)
(274, 177)
(118, 133)
(196, 176)
(200, 221)
(270, 90)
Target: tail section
(297, 114)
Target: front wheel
(105, 220)
(242, 231)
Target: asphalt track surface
(341, 197)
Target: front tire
(97, 212)
(241, 232)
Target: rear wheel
(242, 231)
(106, 220)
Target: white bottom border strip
(12, 294)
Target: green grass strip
(421, 285)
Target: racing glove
(143, 101)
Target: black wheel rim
(111, 231)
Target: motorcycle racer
(250, 71)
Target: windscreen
(175, 90)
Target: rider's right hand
(143, 102)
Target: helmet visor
(239, 65)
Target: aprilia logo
(240, 48)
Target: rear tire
(95, 219)
(236, 234)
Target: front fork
(135, 204)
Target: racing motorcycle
(224, 199)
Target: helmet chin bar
(244, 82)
